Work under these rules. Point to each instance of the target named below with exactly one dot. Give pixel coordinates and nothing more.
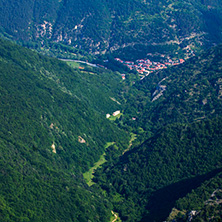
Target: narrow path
(115, 215)
(133, 137)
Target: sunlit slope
(50, 132)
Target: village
(145, 66)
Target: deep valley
(110, 111)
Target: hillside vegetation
(177, 117)
(61, 159)
(130, 29)
(202, 204)
(52, 129)
(186, 93)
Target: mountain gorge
(180, 139)
(85, 138)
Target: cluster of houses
(145, 66)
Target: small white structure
(116, 113)
(107, 115)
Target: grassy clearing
(113, 118)
(133, 137)
(89, 174)
(75, 64)
(108, 144)
(81, 67)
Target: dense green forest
(204, 202)
(159, 159)
(177, 118)
(146, 181)
(127, 28)
(186, 93)
(52, 129)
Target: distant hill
(52, 129)
(131, 29)
(176, 115)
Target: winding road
(115, 215)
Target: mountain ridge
(115, 27)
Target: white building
(116, 113)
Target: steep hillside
(185, 93)
(202, 204)
(65, 92)
(145, 183)
(51, 130)
(181, 109)
(127, 28)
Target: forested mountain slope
(185, 93)
(202, 204)
(181, 109)
(130, 28)
(51, 130)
